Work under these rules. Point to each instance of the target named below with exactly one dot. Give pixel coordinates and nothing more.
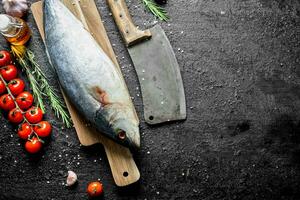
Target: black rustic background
(240, 66)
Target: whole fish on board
(88, 76)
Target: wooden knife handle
(130, 33)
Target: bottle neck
(10, 26)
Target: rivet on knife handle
(130, 33)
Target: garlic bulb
(72, 178)
(15, 8)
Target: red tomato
(4, 58)
(15, 116)
(6, 102)
(34, 115)
(24, 100)
(9, 72)
(24, 131)
(43, 129)
(95, 189)
(33, 145)
(16, 86)
(2, 87)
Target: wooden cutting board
(123, 167)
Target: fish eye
(122, 135)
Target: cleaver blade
(156, 66)
(159, 77)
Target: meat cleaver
(156, 66)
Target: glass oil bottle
(15, 30)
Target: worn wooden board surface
(123, 167)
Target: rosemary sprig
(156, 10)
(56, 103)
(19, 53)
(34, 84)
(39, 84)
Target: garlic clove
(71, 179)
(15, 8)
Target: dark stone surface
(240, 65)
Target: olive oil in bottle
(15, 30)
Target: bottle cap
(4, 22)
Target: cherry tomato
(4, 58)
(2, 87)
(15, 116)
(34, 115)
(9, 72)
(95, 189)
(33, 145)
(43, 129)
(6, 102)
(24, 131)
(16, 86)
(24, 100)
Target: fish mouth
(135, 142)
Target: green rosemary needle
(156, 10)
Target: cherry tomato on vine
(34, 115)
(95, 189)
(24, 100)
(33, 145)
(2, 87)
(43, 129)
(15, 116)
(4, 58)
(24, 131)
(6, 102)
(16, 86)
(9, 72)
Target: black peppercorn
(161, 1)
